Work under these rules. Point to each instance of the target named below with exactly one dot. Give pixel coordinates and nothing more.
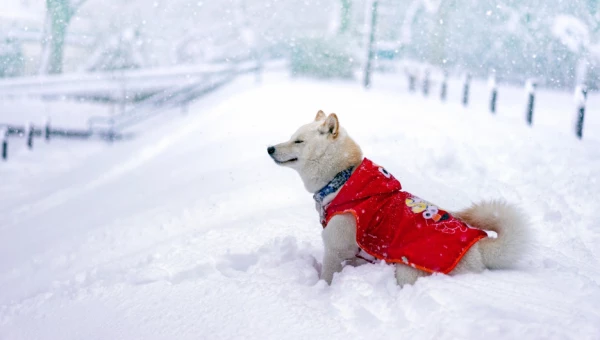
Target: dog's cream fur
(321, 149)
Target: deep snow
(190, 231)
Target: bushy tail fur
(511, 225)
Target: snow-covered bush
(323, 58)
(11, 59)
(571, 31)
(515, 39)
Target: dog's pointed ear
(320, 116)
(332, 125)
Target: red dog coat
(397, 227)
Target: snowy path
(191, 232)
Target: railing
(117, 84)
(164, 96)
(48, 132)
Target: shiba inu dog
(367, 216)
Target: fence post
(412, 82)
(580, 98)
(466, 89)
(47, 130)
(530, 89)
(426, 83)
(444, 87)
(493, 94)
(30, 133)
(4, 136)
(370, 53)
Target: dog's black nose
(271, 150)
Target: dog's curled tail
(510, 225)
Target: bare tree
(58, 16)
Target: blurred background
(138, 201)
(554, 41)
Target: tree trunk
(371, 41)
(58, 18)
(345, 16)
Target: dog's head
(309, 143)
(317, 150)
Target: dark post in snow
(30, 134)
(4, 137)
(368, 66)
(426, 83)
(47, 130)
(530, 89)
(466, 87)
(444, 87)
(412, 81)
(493, 94)
(580, 98)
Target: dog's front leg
(339, 239)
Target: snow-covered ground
(190, 231)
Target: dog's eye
(299, 141)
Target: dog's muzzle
(271, 151)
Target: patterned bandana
(334, 185)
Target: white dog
(330, 163)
